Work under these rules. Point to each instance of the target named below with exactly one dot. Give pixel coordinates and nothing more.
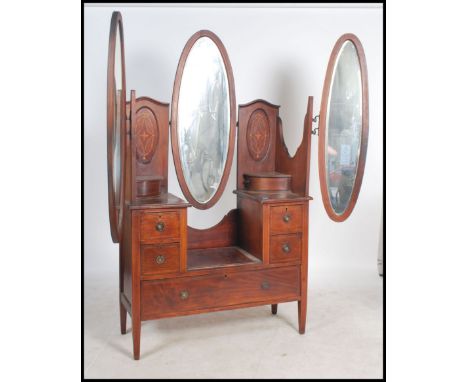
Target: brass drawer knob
(265, 285)
(160, 259)
(286, 218)
(286, 248)
(184, 295)
(160, 226)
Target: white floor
(343, 339)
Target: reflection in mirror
(117, 115)
(344, 123)
(203, 119)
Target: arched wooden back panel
(256, 139)
(261, 148)
(150, 145)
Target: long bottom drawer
(161, 298)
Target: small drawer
(285, 248)
(286, 219)
(164, 298)
(160, 227)
(156, 259)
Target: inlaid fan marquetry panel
(258, 135)
(147, 135)
(256, 139)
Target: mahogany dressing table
(258, 253)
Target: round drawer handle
(286, 248)
(160, 226)
(265, 285)
(184, 295)
(286, 218)
(160, 259)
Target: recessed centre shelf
(218, 257)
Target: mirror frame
(174, 123)
(116, 207)
(322, 163)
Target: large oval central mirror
(343, 127)
(203, 119)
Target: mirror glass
(116, 152)
(344, 125)
(203, 117)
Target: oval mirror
(203, 119)
(343, 127)
(116, 117)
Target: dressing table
(258, 253)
